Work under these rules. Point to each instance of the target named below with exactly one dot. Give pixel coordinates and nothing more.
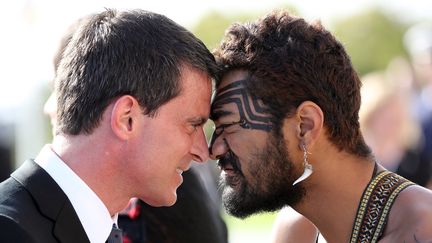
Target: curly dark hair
(290, 61)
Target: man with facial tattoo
(287, 134)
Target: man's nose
(199, 148)
(218, 147)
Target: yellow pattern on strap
(375, 205)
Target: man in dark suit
(32, 199)
(195, 217)
(133, 92)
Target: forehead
(231, 77)
(230, 94)
(195, 95)
(195, 82)
(233, 103)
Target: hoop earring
(308, 169)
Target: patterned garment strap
(375, 205)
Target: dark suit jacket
(34, 209)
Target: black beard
(270, 187)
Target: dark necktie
(115, 235)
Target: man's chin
(241, 201)
(233, 198)
(233, 204)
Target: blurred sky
(31, 30)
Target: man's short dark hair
(114, 53)
(290, 61)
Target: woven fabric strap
(375, 205)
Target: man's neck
(334, 192)
(90, 161)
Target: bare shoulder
(410, 218)
(287, 226)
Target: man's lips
(228, 170)
(226, 167)
(230, 175)
(230, 165)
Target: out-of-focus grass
(254, 229)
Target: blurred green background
(256, 228)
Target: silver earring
(308, 169)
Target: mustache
(230, 159)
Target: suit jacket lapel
(67, 229)
(52, 201)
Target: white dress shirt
(91, 211)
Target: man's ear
(124, 116)
(310, 120)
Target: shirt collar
(91, 211)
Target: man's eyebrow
(198, 120)
(217, 114)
